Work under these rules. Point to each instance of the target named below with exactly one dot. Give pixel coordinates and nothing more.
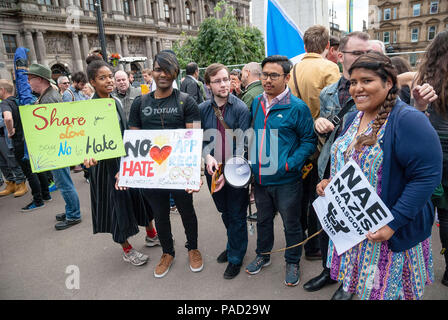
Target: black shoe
(313, 256)
(232, 271)
(445, 278)
(252, 217)
(66, 224)
(340, 294)
(222, 257)
(60, 217)
(319, 282)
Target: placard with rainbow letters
(63, 134)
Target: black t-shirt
(167, 113)
(10, 105)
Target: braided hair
(381, 66)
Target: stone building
(61, 33)
(407, 25)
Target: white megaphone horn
(237, 172)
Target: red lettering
(138, 168)
(41, 117)
(150, 173)
(126, 169)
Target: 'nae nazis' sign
(350, 208)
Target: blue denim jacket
(330, 106)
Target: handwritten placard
(350, 208)
(64, 134)
(164, 159)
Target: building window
(377, 36)
(414, 35)
(379, 15)
(188, 12)
(395, 13)
(10, 43)
(434, 7)
(386, 37)
(432, 32)
(46, 2)
(387, 14)
(395, 36)
(126, 7)
(89, 5)
(413, 59)
(416, 9)
(166, 8)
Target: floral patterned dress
(370, 269)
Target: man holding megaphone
(220, 117)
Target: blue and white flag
(282, 35)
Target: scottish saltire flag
(282, 35)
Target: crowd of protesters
(344, 101)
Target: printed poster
(350, 208)
(162, 159)
(60, 135)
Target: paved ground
(34, 258)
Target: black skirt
(114, 211)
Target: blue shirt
(76, 96)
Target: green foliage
(221, 40)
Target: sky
(360, 13)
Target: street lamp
(102, 37)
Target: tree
(221, 40)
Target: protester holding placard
(399, 152)
(225, 114)
(114, 211)
(39, 77)
(168, 108)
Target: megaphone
(237, 172)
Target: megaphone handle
(250, 205)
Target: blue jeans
(286, 199)
(233, 203)
(65, 184)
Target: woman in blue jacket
(400, 154)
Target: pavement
(38, 262)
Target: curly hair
(382, 66)
(434, 70)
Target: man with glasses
(284, 138)
(63, 84)
(225, 112)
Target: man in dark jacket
(230, 201)
(284, 139)
(190, 84)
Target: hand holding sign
(350, 210)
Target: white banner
(350, 208)
(165, 159)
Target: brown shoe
(164, 265)
(21, 189)
(10, 188)
(196, 264)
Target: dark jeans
(286, 199)
(309, 218)
(38, 181)
(443, 220)
(8, 165)
(159, 199)
(232, 203)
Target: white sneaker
(135, 258)
(152, 242)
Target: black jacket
(190, 86)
